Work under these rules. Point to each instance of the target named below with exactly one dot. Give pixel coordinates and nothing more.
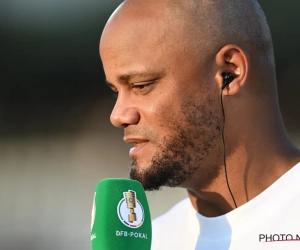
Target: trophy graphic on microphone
(135, 217)
(130, 198)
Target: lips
(139, 144)
(137, 148)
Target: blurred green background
(56, 141)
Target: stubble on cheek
(189, 137)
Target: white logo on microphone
(130, 210)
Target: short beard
(182, 154)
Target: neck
(255, 160)
(250, 180)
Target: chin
(140, 163)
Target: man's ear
(234, 60)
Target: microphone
(120, 216)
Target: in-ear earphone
(227, 78)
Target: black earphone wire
(224, 147)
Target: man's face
(167, 110)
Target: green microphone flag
(120, 216)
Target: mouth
(137, 148)
(138, 145)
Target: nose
(124, 114)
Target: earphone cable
(224, 148)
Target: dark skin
(144, 65)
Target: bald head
(198, 28)
(219, 22)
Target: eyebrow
(132, 75)
(129, 76)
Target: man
(168, 61)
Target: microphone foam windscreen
(120, 216)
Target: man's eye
(142, 86)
